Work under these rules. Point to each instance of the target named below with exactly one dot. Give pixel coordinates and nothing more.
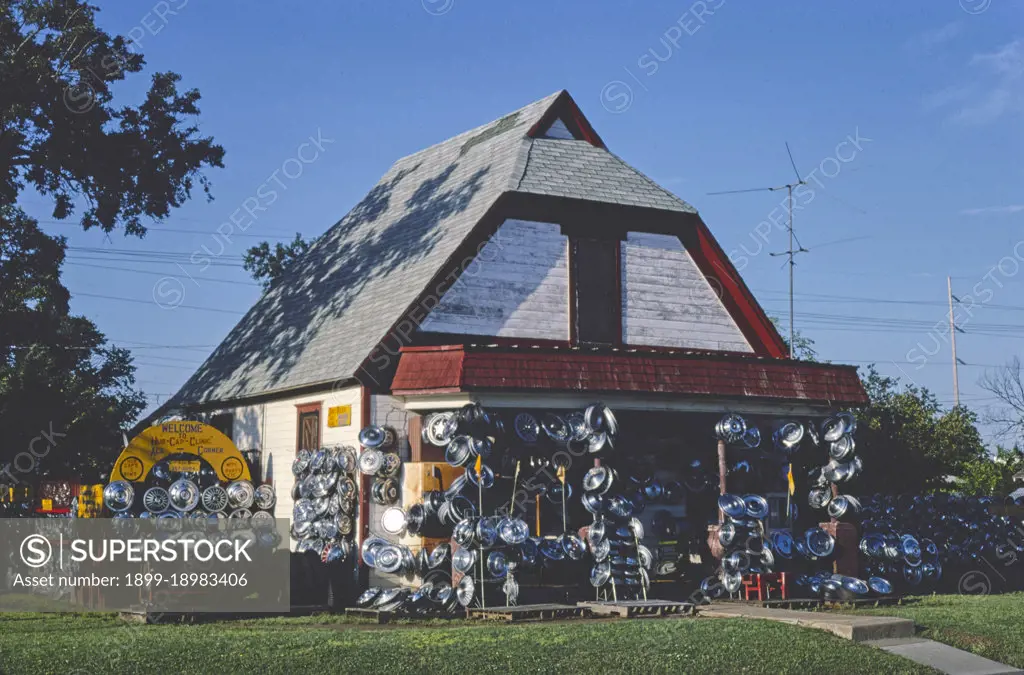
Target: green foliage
(803, 346)
(993, 475)
(65, 395)
(909, 443)
(59, 381)
(62, 134)
(268, 265)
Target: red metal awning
(463, 368)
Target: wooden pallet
(628, 609)
(789, 603)
(814, 603)
(521, 613)
(887, 601)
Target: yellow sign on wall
(177, 438)
(339, 416)
(90, 501)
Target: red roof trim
(565, 104)
(425, 370)
(734, 294)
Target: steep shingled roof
(581, 171)
(338, 301)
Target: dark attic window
(506, 123)
(598, 304)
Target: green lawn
(988, 625)
(100, 643)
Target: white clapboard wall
(518, 286)
(273, 428)
(667, 302)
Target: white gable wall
(518, 286)
(667, 301)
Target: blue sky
(928, 97)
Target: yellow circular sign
(176, 438)
(231, 468)
(132, 468)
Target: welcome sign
(180, 440)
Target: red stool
(763, 584)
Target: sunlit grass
(100, 643)
(988, 625)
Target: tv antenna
(791, 252)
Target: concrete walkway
(856, 628)
(942, 657)
(889, 633)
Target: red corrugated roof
(472, 368)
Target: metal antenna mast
(790, 252)
(953, 330)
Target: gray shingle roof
(339, 300)
(580, 170)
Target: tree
(909, 443)
(1007, 384)
(803, 346)
(268, 266)
(65, 395)
(61, 133)
(993, 475)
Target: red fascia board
(565, 104)
(752, 320)
(422, 372)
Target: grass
(95, 643)
(988, 625)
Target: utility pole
(790, 252)
(952, 337)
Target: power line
(155, 345)
(891, 322)
(154, 229)
(161, 365)
(917, 363)
(172, 359)
(153, 261)
(163, 274)
(894, 331)
(156, 254)
(849, 298)
(790, 252)
(151, 302)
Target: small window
(309, 427)
(224, 423)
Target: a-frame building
(519, 264)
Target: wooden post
(722, 469)
(537, 507)
(480, 490)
